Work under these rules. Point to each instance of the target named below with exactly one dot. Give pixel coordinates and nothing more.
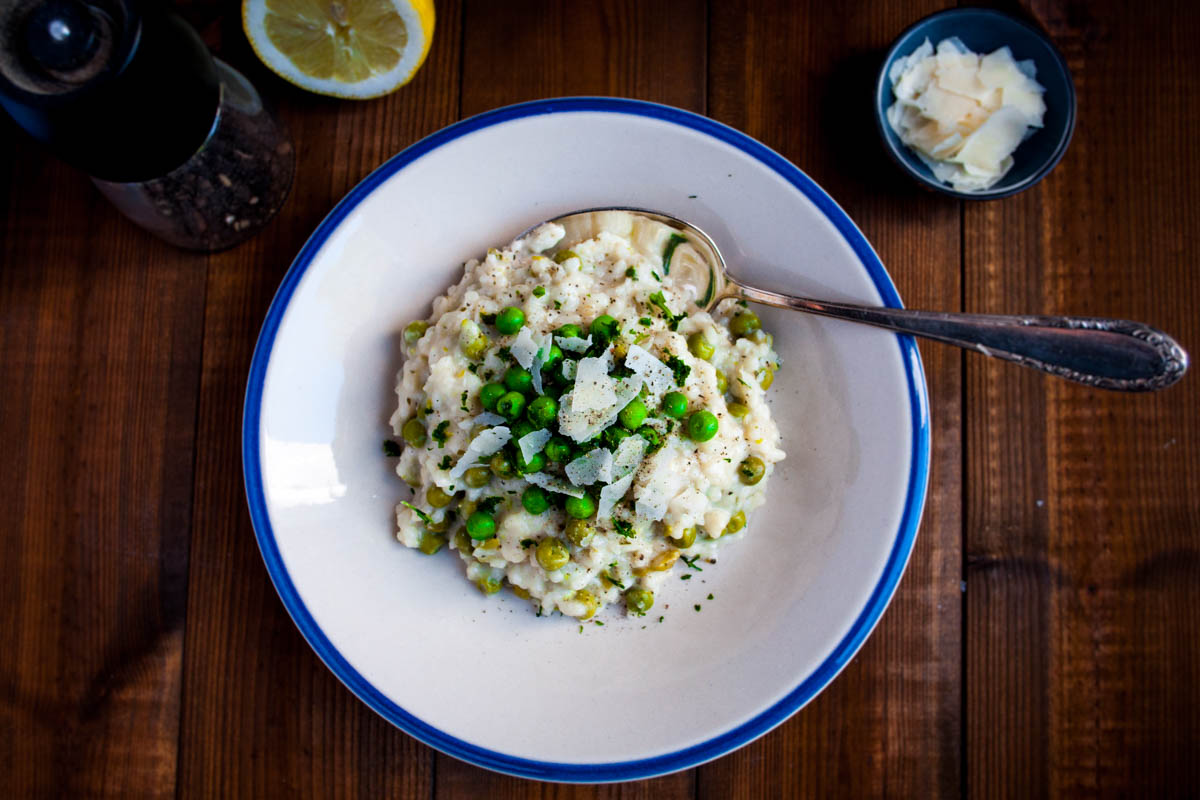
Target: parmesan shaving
(612, 494)
(656, 375)
(524, 348)
(532, 443)
(573, 343)
(591, 467)
(554, 484)
(483, 445)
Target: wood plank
(262, 716)
(799, 80)
(1082, 620)
(100, 335)
(527, 50)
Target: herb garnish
(613, 567)
(488, 504)
(668, 251)
(692, 562)
(687, 576)
(657, 277)
(659, 301)
(462, 402)
(539, 291)
(490, 319)
(527, 543)
(445, 462)
(710, 597)
(697, 606)
(630, 272)
(678, 368)
(439, 433)
(646, 321)
(420, 514)
(622, 528)
(557, 304)
(391, 449)
(473, 368)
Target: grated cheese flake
(590, 467)
(485, 444)
(573, 343)
(532, 443)
(656, 375)
(553, 483)
(611, 495)
(524, 348)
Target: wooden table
(1045, 640)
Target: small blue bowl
(983, 31)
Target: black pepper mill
(126, 91)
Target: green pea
(413, 433)
(590, 602)
(430, 543)
(701, 347)
(489, 393)
(702, 426)
(438, 497)
(462, 542)
(478, 477)
(552, 554)
(766, 376)
(722, 382)
(569, 331)
(414, 330)
(674, 404)
(542, 411)
(520, 429)
(751, 470)
(686, 538)
(511, 405)
(480, 526)
(745, 323)
(534, 500)
(634, 414)
(552, 360)
(639, 600)
(653, 438)
(489, 584)
(475, 348)
(518, 379)
(536, 463)
(613, 436)
(737, 409)
(562, 255)
(578, 531)
(510, 320)
(736, 523)
(604, 329)
(558, 450)
(580, 507)
(502, 466)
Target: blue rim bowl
(984, 30)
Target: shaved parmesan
(524, 348)
(963, 114)
(485, 444)
(581, 426)
(544, 342)
(532, 443)
(554, 484)
(486, 418)
(611, 495)
(574, 344)
(568, 369)
(591, 467)
(594, 389)
(629, 454)
(656, 375)
(660, 487)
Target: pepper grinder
(126, 91)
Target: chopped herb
(490, 319)
(743, 304)
(580, 627)
(660, 619)
(691, 197)
(646, 321)
(710, 597)
(504, 353)
(657, 277)
(539, 291)
(462, 402)
(631, 273)
(473, 369)
(439, 433)
(622, 527)
(391, 449)
(420, 514)
(557, 304)
(742, 382)
(680, 369)
(445, 462)
(599, 623)
(641, 337)
(659, 301)
(692, 562)
(527, 543)
(613, 567)
(668, 251)
(729, 461)
(488, 504)
(697, 606)
(687, 576)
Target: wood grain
(100, 330)
(889, 725)
(262, 716)
(1082, 529)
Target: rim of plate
(725, 742)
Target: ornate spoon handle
(1108, 353)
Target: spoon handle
(1107, 353)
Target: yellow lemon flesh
(347, 48)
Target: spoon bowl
(1106, 353)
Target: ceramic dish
(482, 678)
(983, 31)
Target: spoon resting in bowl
(1106, 353)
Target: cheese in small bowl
(965, 114)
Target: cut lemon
(347, 48)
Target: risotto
(574, 426)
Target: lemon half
(344, 48)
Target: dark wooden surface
(1043, 642)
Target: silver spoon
(1107, 353)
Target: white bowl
(482, 678)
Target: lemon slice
(344, 48)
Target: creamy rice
(674, 497)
